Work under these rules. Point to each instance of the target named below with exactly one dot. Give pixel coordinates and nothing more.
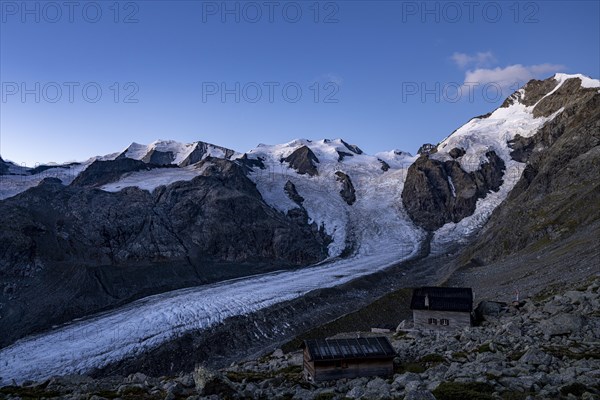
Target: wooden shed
(442, 308)
(328, 359)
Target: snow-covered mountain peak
(586, 81)
(328, 151)
(523, 113)
(172, 152)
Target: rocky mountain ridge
(445, 182)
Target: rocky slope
(87, 249)
(544, 347)
(3, 167)
(558, 193)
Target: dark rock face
(437, 192)
(457, 152)
(158, 157)
(3, 167)
(250, 163)
(534, 90)
(568, 95)
(290, 190)
(102, 172)
(427, 148)
(200, 152)
(353, 148)
(304, 161)
(348, 193)
(42, 168)
(342, 154)
(67, 251)
(558, 192)
(384, 166)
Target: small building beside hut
(329, 359)
(442, 308)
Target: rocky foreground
(547, 347)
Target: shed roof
(341, 349)
(442, 299)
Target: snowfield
(378, 207)
(150, 180)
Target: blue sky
(381, 74)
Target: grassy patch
(515, 355)
(249, 376)
(416, 367)
(107, 394)
(464, 391)
(136, 393)
(433, 358)
(484, 348)
(325, 396)
(26, 393)
(514, 395)
(386, 312)
(291, 373)
(576, 389)
(459, 354)
(400, 334)
(561, 352)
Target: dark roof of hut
(354, 348)
(442, 299)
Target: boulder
(562, 324)
(355, 393)
(402, 380)
(576, 297)
(209, 382)
(378, 388)
(536, 357)
(485, 308)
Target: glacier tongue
(144, 324)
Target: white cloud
(480, 59)
(511, 76)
